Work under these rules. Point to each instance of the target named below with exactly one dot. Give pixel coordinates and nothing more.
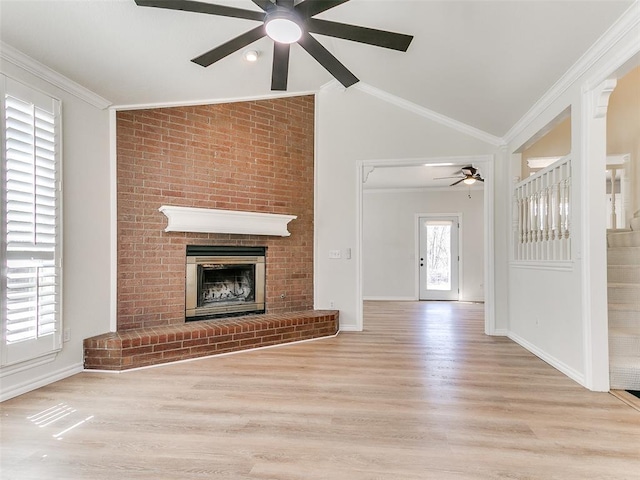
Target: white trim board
(552, 361)
(212, 101)
(12, 55)
(418, 161)
(389, 299)
(624, 25)
(430, 114)
(113, 220)
(41, 381)
(366, 191)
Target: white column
(593, 143)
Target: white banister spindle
(542, 204)
(619, 181)
(565, 210)
(614, 215)
(553, 216)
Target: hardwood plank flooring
(422, 393)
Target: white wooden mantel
(209, 220)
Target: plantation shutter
(31, 226)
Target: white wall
(389, 240)
(86, 217)
(353, 126)
(560, 314)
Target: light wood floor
(421, 394)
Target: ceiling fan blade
(231, 46)
(327, 60)
(280, 71)
(456, 183)
(263, 4)
(201, 7)
(371, 36)
(444, 178)
(479, 179)
(309, 8)
(284, 3)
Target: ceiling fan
(287, 22)
(469, 176)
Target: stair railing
(542, 214)
(618, 191)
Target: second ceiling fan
(470, 175)
(286, 22)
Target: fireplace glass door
(224, 285)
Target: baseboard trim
(349, 328)
(41, 381)
(389, 299)
(551, 360)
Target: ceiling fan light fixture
(286, 22)
(283, 26)
(469, 181)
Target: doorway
(483, 269)
(439, 258)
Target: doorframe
(416, 226)
(485, 163)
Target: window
(31, 240)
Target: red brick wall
(251, 156)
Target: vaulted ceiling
(482, 63)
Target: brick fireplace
(248, 156)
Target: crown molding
(629, 20)
(450, 189)
(19, 59)
(410, 162)
(430, 114)
(212, 101)
(332, 84)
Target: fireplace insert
(224, 281)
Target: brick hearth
(154, 345)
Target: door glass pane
(438, 261)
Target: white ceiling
(483, 63)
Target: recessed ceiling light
(251, 55)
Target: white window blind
(31, 227)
